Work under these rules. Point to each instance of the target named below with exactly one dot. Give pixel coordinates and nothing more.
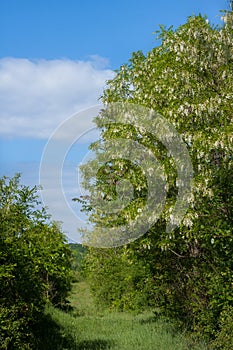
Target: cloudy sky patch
(35, 96)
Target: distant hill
(79, 252)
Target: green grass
(87, 328)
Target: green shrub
(224, 337)
(35, 264)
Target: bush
(224, 339)
(35, 264)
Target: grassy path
(89, 329)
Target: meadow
(87, 327)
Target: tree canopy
(187, 272)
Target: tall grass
(88, 328)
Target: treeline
(186, 274)
(78, 256)
(35, 265)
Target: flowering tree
(187, 79)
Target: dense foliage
(78, 256)
(35, 264)
(185, 274)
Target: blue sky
(55, 57)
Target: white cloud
(36, 96)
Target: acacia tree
(188, 79)
(35, 263)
